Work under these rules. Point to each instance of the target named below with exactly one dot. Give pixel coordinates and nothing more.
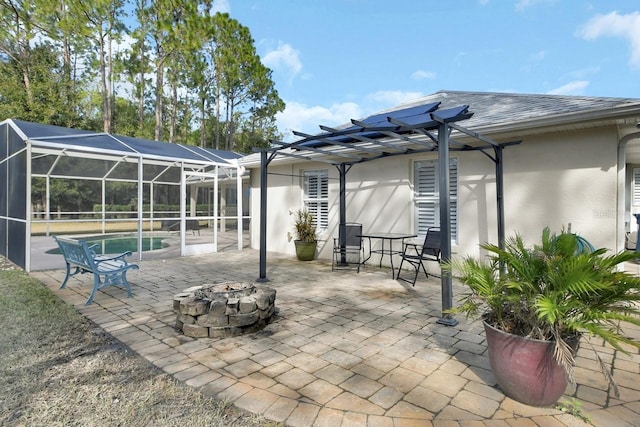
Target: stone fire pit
(223, 309)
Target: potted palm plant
(305, 229)
(537, 301)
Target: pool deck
(345, 349)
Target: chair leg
(423, 269)
(399, 270)
(415, 276)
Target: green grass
(59, 369)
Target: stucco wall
(550, 180)
(560, 179)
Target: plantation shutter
(316, 196)
(636, 187)
(427, 195)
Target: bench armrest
(100, 258)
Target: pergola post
(342, 233)
(445, 223)
(499, 194)
(263, 217)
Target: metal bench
(79, 255)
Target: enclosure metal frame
(61, 142)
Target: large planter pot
(305, 251)
(525, 368)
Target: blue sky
(334, 60)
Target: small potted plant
(537, 301)
(305, 229)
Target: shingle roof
(495, 108)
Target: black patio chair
(352, 253)
(416, 254)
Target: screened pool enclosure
(55, 180)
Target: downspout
(445, 224)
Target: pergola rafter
(413, 130)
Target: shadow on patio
(345, 349)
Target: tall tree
(61, 23)
(103, 26)
(243, 80)
(170, 29)
(16, 33)
(137, 62)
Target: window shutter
(636, 187)
(427, 195)
(316, 196)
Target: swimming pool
(117, 244)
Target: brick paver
(346, 349)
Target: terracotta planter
(305, 251)
(525, 368)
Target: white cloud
(459, 57)
(422, 74)
(483, 2)
(390, 98)
(538, 56)
(284, 58)
(305, 118)
(582, 73)
(616, 25)
(576, 87)
(523, 4)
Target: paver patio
(345, 349)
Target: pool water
(120, 244)
(117, 245)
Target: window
(427, 195)
(316, 196)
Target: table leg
(391, 256)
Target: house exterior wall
(569, 177)
(549, 180)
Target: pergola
(414, 130)
(30, 151)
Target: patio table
(386, 237)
